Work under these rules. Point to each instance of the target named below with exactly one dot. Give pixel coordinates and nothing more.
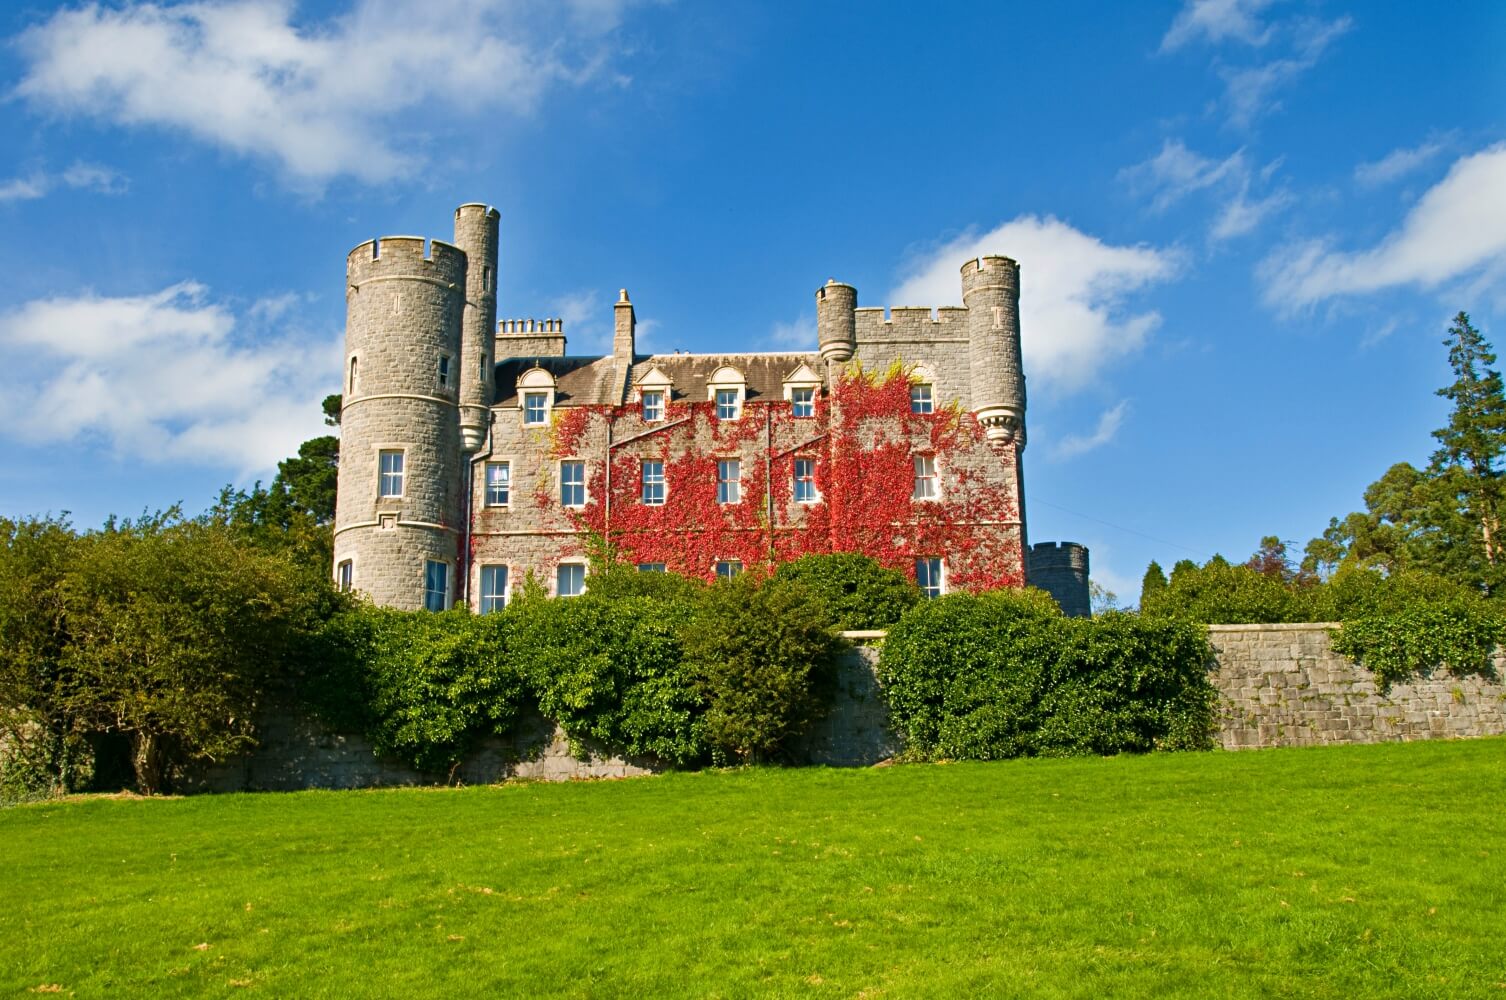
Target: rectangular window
(726, 404)
(653, 482)
(444, 371)
(436, 585)
(925, 477)
(803, 402)
(920, 399)
(486, 278)
(391, 478)
(570, 580)
(498, 484)
(484, 373)
(573, 484)
(805, 481)
(928, 576)
(651, 567)
(534, 405)
(653, 405)
(726, 569)
(493, 588)
(345, 576)
(729, 485)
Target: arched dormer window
(728, 389)
(536, 396)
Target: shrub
(764, 659)
(612, 669)
(423, 687)
(1219, 593)
(858, 593)
(1004, 674)
(1408, 625)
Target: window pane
(573, 484)
(803, 402)
(925, 477)
(346, 575)
(533, 407)
(651, 567)
(729, 481)
(498, 484)
(444, 371)
(436, 585)
(726, 404)
(493, 588)
(920, 399)
(726, 569)
(653, 482)
(928, 576)
(570, 580)
(391, 475)
(805, 480)
(653, 406)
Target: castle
(476, 453)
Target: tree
(1475, 438)
(1153, 582)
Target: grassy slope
(1366, 871)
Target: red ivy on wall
(863, 439)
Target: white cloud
(1215, 21)
(1177, 171)
(799, 335)
(1250, 92)
(1072, 289)
(165, 377)
(587, 330)
(1108, 425)
(318, 99)
(1396, 164)
(1457, 230)
(80, 176)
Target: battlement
(990, 271)
(920, 323)
(411, 256)
(472, 207)
(538, 338)
(1073, 554)
(1061, 569)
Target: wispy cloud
(1246, 195)
(1108, 426)
(80, 176)
(352, 95)
(1073, 317)
(799, 335)
(1456, 230)
(1396, 164)
(1252, 92)
(171, 376)
(1216, 21)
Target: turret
(1061, 569)
(476, 234)
(397, 518)
(991, 292)
(835, 325)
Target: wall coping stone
(1274, 627)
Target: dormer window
(800, 387)
(535, 396)
(654, 391)
(728, 389)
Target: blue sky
(1243, 225)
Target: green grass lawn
(1345, 872)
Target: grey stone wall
(1061, 569)
(1283, 685)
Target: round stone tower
(476, 234)
(400, 458)
(991, 292)
(1061, 569)
(836, 329)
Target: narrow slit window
(352, 387)
(345, 576)
(444, 371)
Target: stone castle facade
(476, 453)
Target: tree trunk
(149, 757)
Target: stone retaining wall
(1283, 685)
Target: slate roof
(584, 381)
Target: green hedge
(1004, 674)
(857, 591)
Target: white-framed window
(653, 404)
(921, 399)
(803, 401)
(535, 408)
(805, 481)
(345, 575)
(651, 567)
(930, 575)
(726, 569)
(498, 484)
(727, 404)
(570, 580)
(653, 482)
(925, 477)
(493, 588)
(352, 388)
(444, 371)
(572, 483)
(390, 473)
(436, 585)
(729, 480)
